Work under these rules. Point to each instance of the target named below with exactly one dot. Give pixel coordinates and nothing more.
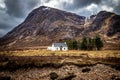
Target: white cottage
(58, 47)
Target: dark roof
(60, 44)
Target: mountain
(107, 25)
(43, 26)
(46, 25)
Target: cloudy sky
(13, 12)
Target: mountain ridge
(46, 25)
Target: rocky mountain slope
(107, 25)
(46, 25)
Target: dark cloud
(4, 26)
(2, 9)
(19, 8)
(80, 3)
(83, 3)
(7, 22)
(14, 8)
(31, 3)
(117, 9)
(13, 12)
(2, 33)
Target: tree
(69, 44)
(90, 44)
(86, 44)
(98, 43)
(74, 44)
(83, 45)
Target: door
(61, 48)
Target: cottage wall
(58, 48)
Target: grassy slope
(91, 54)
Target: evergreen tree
(83, 45)
(93, 43)
(90, 44)
(86, 44)
(98, 43)
(75, 44)
(69, 44)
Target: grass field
(91, 54)
(42, 58)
